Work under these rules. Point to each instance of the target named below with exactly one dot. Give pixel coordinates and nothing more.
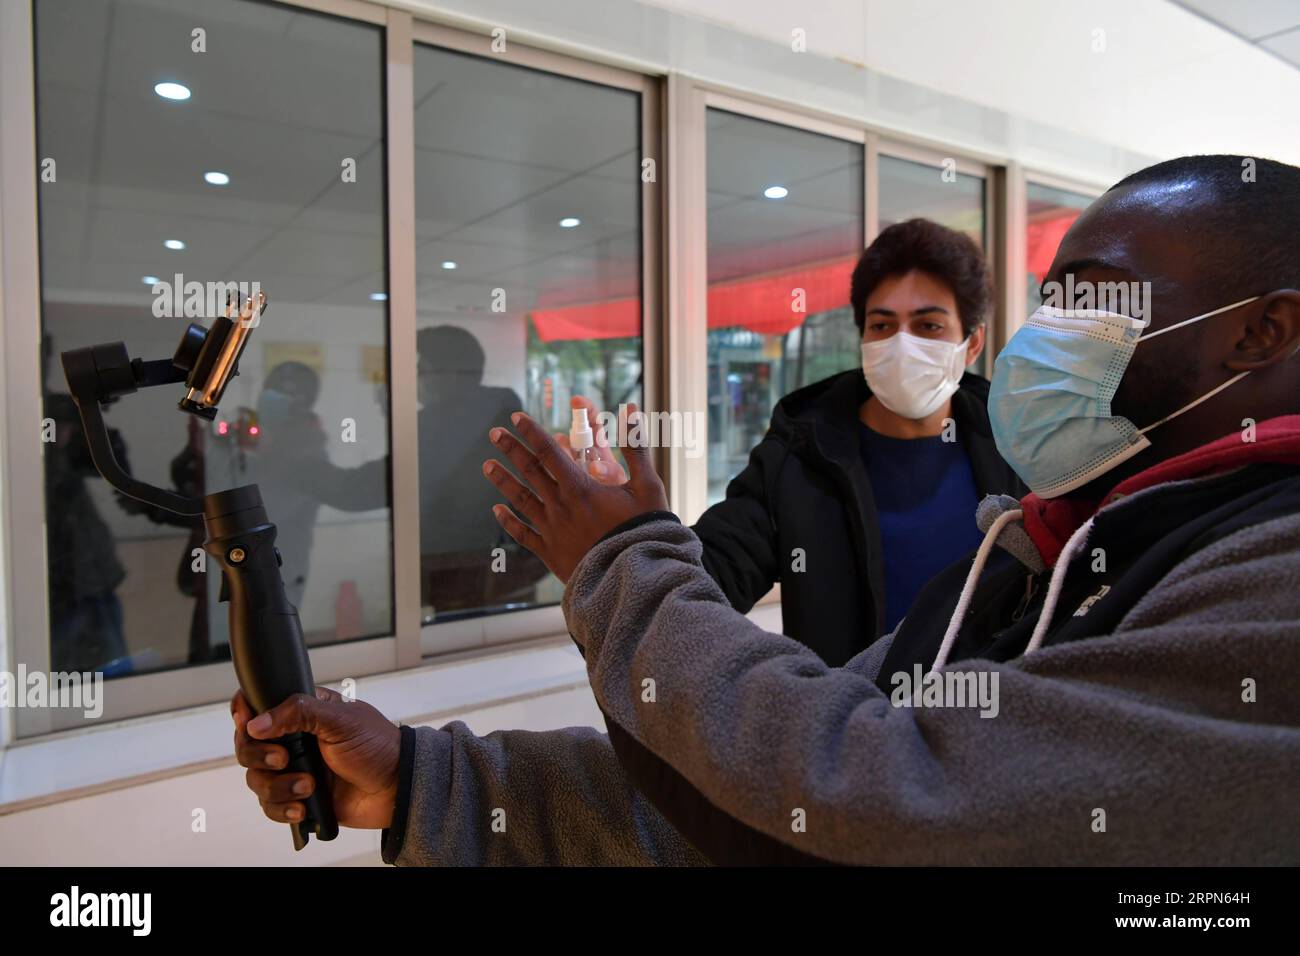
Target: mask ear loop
(1212, 392)
(1196, 318)
(1188, 407)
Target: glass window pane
(528, 245)
(1051, 213)
(259, 162)
(911, 190)
(785, 230)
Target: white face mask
(913, 376)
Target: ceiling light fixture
(174, 244)
(215, 178)
(379, 296)
(449, 264)
(568, 222)
(172, 91)
(776, 192)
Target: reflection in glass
(528, 244)
(1051, 213)
(270, 172)
(785, 230)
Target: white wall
(150, 824)
(1165, 82)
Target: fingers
(251, 753)
(526, 463)
(300, 713)
(544, 450)
(525, 535)
(273, 787)
(515, 492)
(637, 455)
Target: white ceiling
(820, 219)
(278, 100)
(1272, 25)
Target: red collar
(1051, 521)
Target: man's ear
(976, 345)
(1270, 335)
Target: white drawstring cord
(968, 589)
(1073, 545)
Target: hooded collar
(1050, 522)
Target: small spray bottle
(582, 441)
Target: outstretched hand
(565, 511)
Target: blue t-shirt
(925, 501)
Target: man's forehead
(1148, 231)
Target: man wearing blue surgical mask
(1112, 678)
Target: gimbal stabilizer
(266, 641)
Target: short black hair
(948, 255)
(1248, 220)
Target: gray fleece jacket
(1173, 740)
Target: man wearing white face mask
(866, 482)
(872, 475)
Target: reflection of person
(866, 483)
(1160, 687)
(457, 532)
(86, 628)
(188, 477)
(86, 622)
(292, 468)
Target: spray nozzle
(580, 436)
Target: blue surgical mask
(1049, 401)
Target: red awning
(763, 304)
(1042, 239)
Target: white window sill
(128, 752)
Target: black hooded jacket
(806, 487)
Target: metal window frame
(491, 630)
(27, 580)
(689, 102)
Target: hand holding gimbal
(266, 642)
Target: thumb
(637, 450)
(304, 713)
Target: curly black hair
(948, 255)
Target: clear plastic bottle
(582, 442)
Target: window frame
(674, 321)
(489, 630)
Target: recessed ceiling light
(449, 264)
(172, 91)
(216, 179)
(568, 222)
(174, 244)
(379, 296)
(149, 280)
(776, 192)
